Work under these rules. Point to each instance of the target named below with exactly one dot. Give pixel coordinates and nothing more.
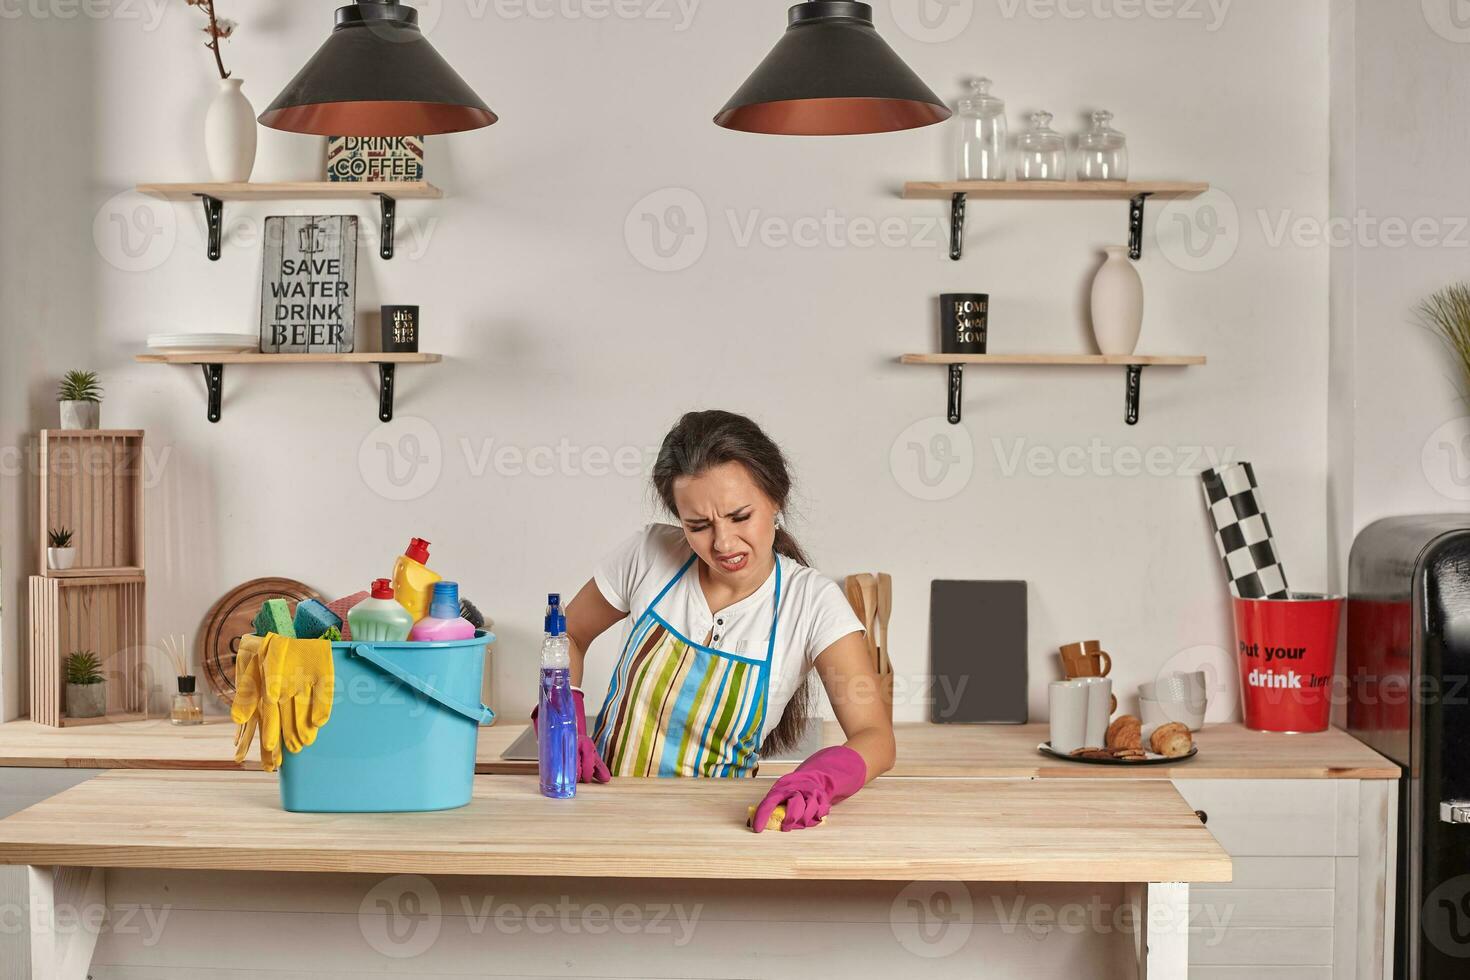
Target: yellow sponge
(774, 821)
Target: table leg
(1161, 941)
(67, 909)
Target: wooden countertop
(1012, 830)
(977, 751)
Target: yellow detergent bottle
(413, 582)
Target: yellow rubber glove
(299, 686)
(249, 686)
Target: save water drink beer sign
(308, 290)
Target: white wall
(1398, 161)
(556, 331)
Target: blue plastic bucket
(403, 731)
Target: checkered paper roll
(1243, 534)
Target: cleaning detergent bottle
(380, 619)
(444, 621)
(556, 719)
(413, 582)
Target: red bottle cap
(418, 550)
(382, 589)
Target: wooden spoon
(869, 586)
(885, 610)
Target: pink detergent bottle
(444, 621)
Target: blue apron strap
(665, 590)
(775, 616)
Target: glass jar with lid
(1041, 152)
(981, 144)
(1102, 151)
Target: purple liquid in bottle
(556, 716)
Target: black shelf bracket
(956, 392)
(214, 386)
(385, 245)
(957, 226)
(1135, 381)
(385, 392)
(214, 220)
(1135, 226)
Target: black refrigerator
(1406, 673)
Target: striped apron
(676, 708)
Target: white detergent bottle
(380, 619)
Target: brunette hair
(702, 440)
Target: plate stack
(203, 343)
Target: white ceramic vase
(1117, 304)
(81, 415)
(229, 133)
(61, 559)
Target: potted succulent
(86, 689)
(80, 396)
(60, 555)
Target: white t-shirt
(814, 612)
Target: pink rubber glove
(827, 778)
(590, 767)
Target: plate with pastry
(1128, 746)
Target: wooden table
(1139, 833)
(1227, 751)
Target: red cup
(1287, 650)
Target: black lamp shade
(832, 75)
(377, 75)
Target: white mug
(1099, 709)
(1068, 703)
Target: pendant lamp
(377, 75)
(832, 75)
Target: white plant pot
(81, 415)
(229, 133)
(86, 700)
(1117, 304)
(60, 559)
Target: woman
(725, 622)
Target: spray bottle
(556, 726)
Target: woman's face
(729, 522)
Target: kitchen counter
(1227, 751)
(637, 828)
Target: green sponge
(274, 617)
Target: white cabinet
(1313, 890)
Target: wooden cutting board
(977, 653)
(231, 618)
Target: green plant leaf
(79, 386)
(83, 667)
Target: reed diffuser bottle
(187, 708)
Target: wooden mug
(1086, 659)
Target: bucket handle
(480, 715)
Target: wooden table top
(1010, 830)
(979, 751)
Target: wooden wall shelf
(213, 196)
(958, 192)
(1134, 363)
(214, 370)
